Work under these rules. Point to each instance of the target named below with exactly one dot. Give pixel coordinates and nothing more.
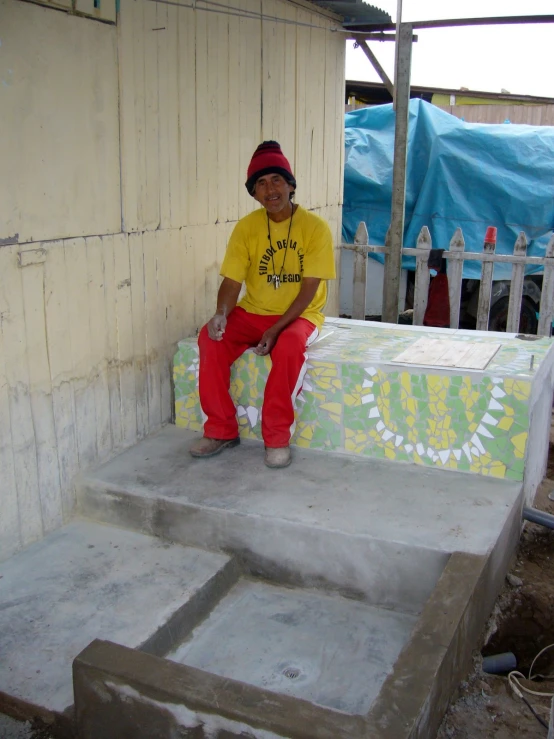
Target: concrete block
(367, 529)
(357, 400)
(122, 694)
(86, 581)
(331, 651)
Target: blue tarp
(470, 175)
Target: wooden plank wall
(533, 115)
(88, 327)
(59, 151)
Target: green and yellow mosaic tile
(355, 399)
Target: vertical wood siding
(534, 115)
(88, 328)
(59, 148)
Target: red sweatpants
(288, 359)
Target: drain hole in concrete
(291, 672)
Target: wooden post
(396, 47)
(393, 257)
(516, 286)
(362, 43)
(360, 269)
(484, 305)
(421, 290)
(547, 296)
(455, 274)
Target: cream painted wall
(59, 149)
(197, 97)
(88, 326)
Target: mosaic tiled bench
(357, 400)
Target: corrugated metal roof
(354, 12)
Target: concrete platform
(376, 530)
(420, 555)
(122, 693)
(324, 649)
(83, 582)
(361, 397)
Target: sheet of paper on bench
(448, 353)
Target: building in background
(471, 105)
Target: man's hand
(267, 342)
(216, 326)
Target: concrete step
(331, 651)
(272, 662)
(88, 581)
(381, 532)
(419, 553)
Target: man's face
(273, 192)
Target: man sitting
(283, 254)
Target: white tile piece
(477, 442)
(374, 412)
(444, 455)
(484, 431)
(490, 420)
(380, 426)
(252, 414)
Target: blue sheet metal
(471, 175)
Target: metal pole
(393, 257)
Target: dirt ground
(523, 623)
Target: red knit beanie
(268, 159)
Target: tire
(528, 323)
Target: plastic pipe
(540, 517)
(498, 664)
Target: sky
(519, 59)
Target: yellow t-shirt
(250, 259)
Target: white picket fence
(456, 255)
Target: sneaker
(206, 447)
(277, 457)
